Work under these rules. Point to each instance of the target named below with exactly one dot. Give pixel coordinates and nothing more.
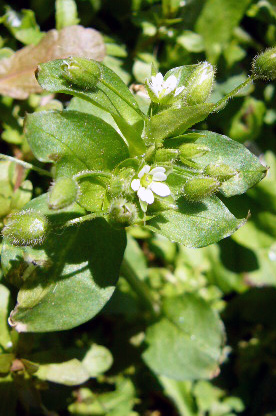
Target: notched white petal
(170, 83)
(135, 184)
(144, 170)
(149, 197)
(159, 176)
(160, 189)
(157, 169)
(141, 193)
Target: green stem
(92, 173)
(139, 287)
(26, 165)
(84, 218)
(232, 93)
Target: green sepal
(200, 84)
(26, 228)
(62, 193)
(264, 65)
(82, 73)
(198, 188)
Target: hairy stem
(26, 165)
(232, 93)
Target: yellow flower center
(146, 180)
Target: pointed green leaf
(196, 224)
(72, 275)
(175, 121)
(75, 141)
(231, 153)
(186, 343)
(69, 373)
(110, 94)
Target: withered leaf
(17, 78)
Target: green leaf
(70, 373)
(66, 13)
(175, 121)
(196, 224)
(216, 23)
(192, 42)
(23, 26)
(119, 402)
(97, 360)
(186, 343)
(6, 362)
(110, 94)
(71, 277)
(227, 151)
(56, 136)
(5, 339)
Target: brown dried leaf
(17, 77)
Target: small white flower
(161, 87)
(150, 182)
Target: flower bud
(84, 73)
(192, 150)
(26, 228)
(166, 155)
(264, 65)
(221, 171)
(122, 213)
(120, 183)
(62, 193)
(200, 84)
(197, 189)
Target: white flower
(161, 87)
(150, 182)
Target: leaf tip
(18, 326)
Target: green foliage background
(124, 362)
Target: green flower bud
(192, 150)
(220, 171)
(120, 184)
(26, 228)
(200, 84)
(197, 189)
(264, 65)
(166, 155)
(84, 73)
(122, 213)
(62, 193)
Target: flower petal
(135, 184)
(149, 197)
(146, 195)
(170, 83)
(157, 169)
(159, 176)
(160, 189)
(141, 192)
(158, 78)
(144, 170)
